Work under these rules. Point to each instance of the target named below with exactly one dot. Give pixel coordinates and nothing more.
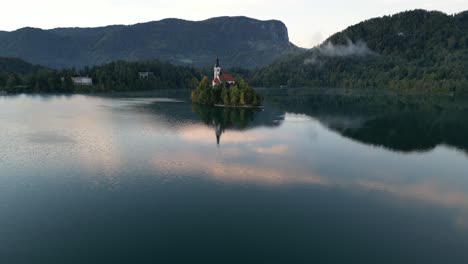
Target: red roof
(228, 77)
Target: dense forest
(113, 77)
(410, 50)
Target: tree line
(112, 77)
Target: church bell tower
(217, 70)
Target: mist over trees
(411, 50)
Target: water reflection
(399, 123)
(275, 146)
(280, 159)
(233, 118)
(302, 176)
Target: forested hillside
(14, 65)
(241, 41)
(410, 50)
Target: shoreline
(240, 106)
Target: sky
(309, 22)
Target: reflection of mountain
(411, 131)
(398, 123)
(236, 118)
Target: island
(225, 91)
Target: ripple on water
(48, 138)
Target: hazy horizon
(308, 22)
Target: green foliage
(240, 94)
(113, 77)
(418, 50)
(124, 76)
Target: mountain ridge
(241, 41)
(17, 66)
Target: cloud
(350, 49)
(328, 49)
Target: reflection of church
(219, 132)
(221, 119)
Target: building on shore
(82, 81)
(145, 75)
(219, 76)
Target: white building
(144, 75)
(83, 81)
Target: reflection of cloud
(97, 149)
(461, 222)
(204, 134)
(428, 193)
(98, 139)
(236, 172)
(273, 150)
(49, 138)
(227, 170)
(423, 192)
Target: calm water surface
(310, 179)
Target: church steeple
(217, 73)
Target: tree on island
(239, 94)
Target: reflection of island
(178, 114)
(398, 123)
(221, 118)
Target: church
(219, 75)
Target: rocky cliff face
(239, 41)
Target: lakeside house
(82, 81)
(219, 76)
(144, 75)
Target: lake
(311, 178)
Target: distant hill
(416, 49)
(239, 41)
(17, 66)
